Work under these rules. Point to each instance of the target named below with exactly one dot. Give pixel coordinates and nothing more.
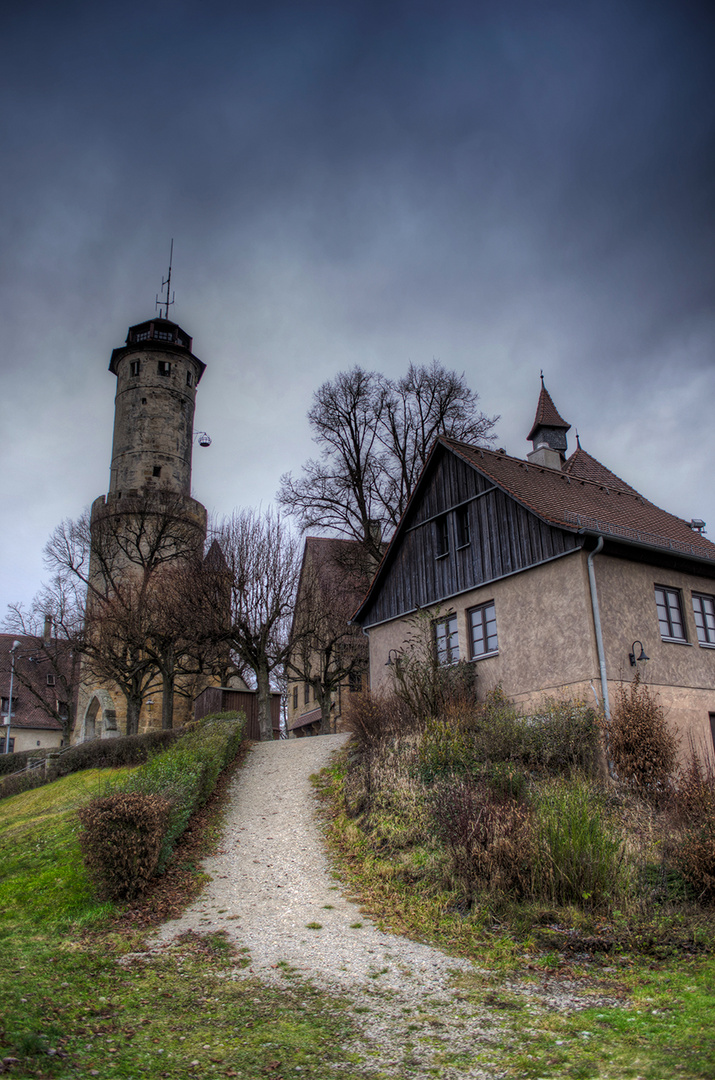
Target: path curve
(271, 878)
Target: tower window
(164, 367)
(156, 470)
(189, 379)
(134, 368)
(143, 401)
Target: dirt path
(271, 880)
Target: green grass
(75, 1003)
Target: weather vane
(166, 284)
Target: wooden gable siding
(504, 538)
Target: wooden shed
(216, 699)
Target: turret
(548, 433)
(157, 375)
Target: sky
(508, 187)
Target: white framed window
(704, 611)
(446, 640)
(482, 622)
(670, 614)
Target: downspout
(597, 627)
(599, 647)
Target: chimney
(47, 632)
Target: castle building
(142, 533)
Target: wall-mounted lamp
(390, 662)
(632, 655)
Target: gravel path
(272, 878)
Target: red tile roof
(547, 415)
(28, 713)
(587, 496)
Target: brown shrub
(489, 837)
(121, 841)
(643, 747)
(373, 717)
(695, 805)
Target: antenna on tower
(166, 284)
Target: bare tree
(326, 649)
(122, 559)
(374, 436)
(262, 557)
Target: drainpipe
(597, 627)
(600, 650)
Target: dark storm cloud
(504, 185)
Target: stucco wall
(25, 739)
(683, 674)
(544, 627)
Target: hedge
(129, 836)
(94, 754)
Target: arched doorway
(100, 719)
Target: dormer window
(51, 680)
(134, 368)
(164, 368)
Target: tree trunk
(325, 727)
(265, 722)
(134, 704)
(167, 693)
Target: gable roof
(583, 497)
(547, 415)
(588, 496)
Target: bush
(695, 804)
(182, 777)
(121, 841)
(643, 748)
(95, 754)
(577, 857)
(373, 717)
(488, 837)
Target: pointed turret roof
(547, 415)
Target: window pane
(447, 640)
(704, 611)
(670, 618)
(483, 623)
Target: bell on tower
(548, 433)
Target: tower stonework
(157, 375)
(148, 522)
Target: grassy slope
(71, 1008)
(661, 1027)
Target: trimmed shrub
(643, 747)
(577, 856)
(95, 754)
(121, 841)
(24, 781)
(182, 778)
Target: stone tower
(148, 513)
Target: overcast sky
(504, 186)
